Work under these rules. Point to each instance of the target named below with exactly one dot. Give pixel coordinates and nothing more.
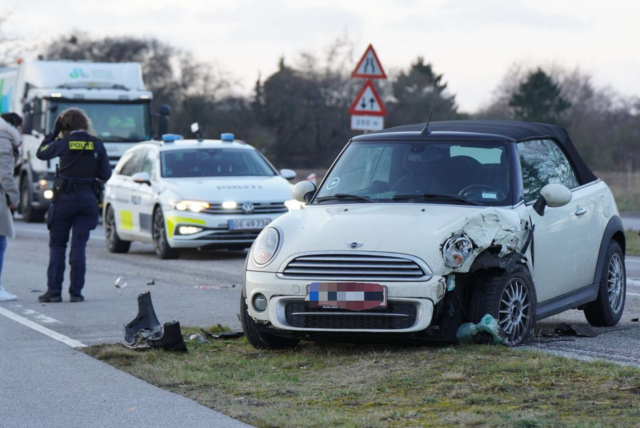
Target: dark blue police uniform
(83, 160)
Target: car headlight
(266, 246)
(193, 206)
(456, 250)
(292, 204)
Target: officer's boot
(50, 297)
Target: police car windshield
(214, 163)
(112, 122)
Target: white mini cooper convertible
(418, 229)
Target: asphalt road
(196, 290)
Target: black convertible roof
(491, 130)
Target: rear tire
(29, 213)
(259, 339)
(607, 309)
(160, 242)
(114, 243)
(508, 296)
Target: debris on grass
(146, 332)
(488, 324)
(198, 337)
(223, 334)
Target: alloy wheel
(158, 232)
(616, 283)
(110, 225)
(515, 311)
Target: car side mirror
(288, 174)
(303, 191)
(142, 178)
(552, 195)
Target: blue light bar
(227, 136)
(170, 138)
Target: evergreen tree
(538, 99)
(413, 96)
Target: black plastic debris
(152, 282)
(635, 319)
(224, 334)
(564, 329)
(146, 332)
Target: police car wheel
(114, 243)
(29, 213)
(160, 242)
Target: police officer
(84, 165)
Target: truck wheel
(607, 310)
(509, 297)
(114, 243)
(160, 242)
(29, 213)
(259, 339)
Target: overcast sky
(472, 42)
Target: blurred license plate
(246, 223)
(355, 296)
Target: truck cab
(112, 94)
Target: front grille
(258, 208)
(228, 236)
(354, 266)
(395, 316)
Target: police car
(180, 194)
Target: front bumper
(215, 229)
(281, 292)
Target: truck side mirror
(552, 195)
(163, 119)
(303, 191)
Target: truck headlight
(456, 250)
(266, 246)
(193, 206)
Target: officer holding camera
(84, 166)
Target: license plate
(354, 296)
(249, 223)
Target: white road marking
(41, 329)
(46, 232)
(41, 317)
(633, 294)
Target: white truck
(112, 94)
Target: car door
(146, 194)
(559, 239)
(126, 215)
(117, 195)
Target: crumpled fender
(502, 229)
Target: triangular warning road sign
(368, 102)
(369, 66)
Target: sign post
(367, 111)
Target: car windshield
(430, 172)
(214, 163)
(113, 122)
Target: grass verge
(633, 242)
(319, 385)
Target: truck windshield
(214, 163)
(113, 121)
(419, 172)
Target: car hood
(414, 229)
(218, 189)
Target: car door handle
(581, 211)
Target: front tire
(259, 339)
(29, 213)
(160, 242)
(509, 297)
(607, 309)
(114, 243)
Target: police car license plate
(249, 223)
